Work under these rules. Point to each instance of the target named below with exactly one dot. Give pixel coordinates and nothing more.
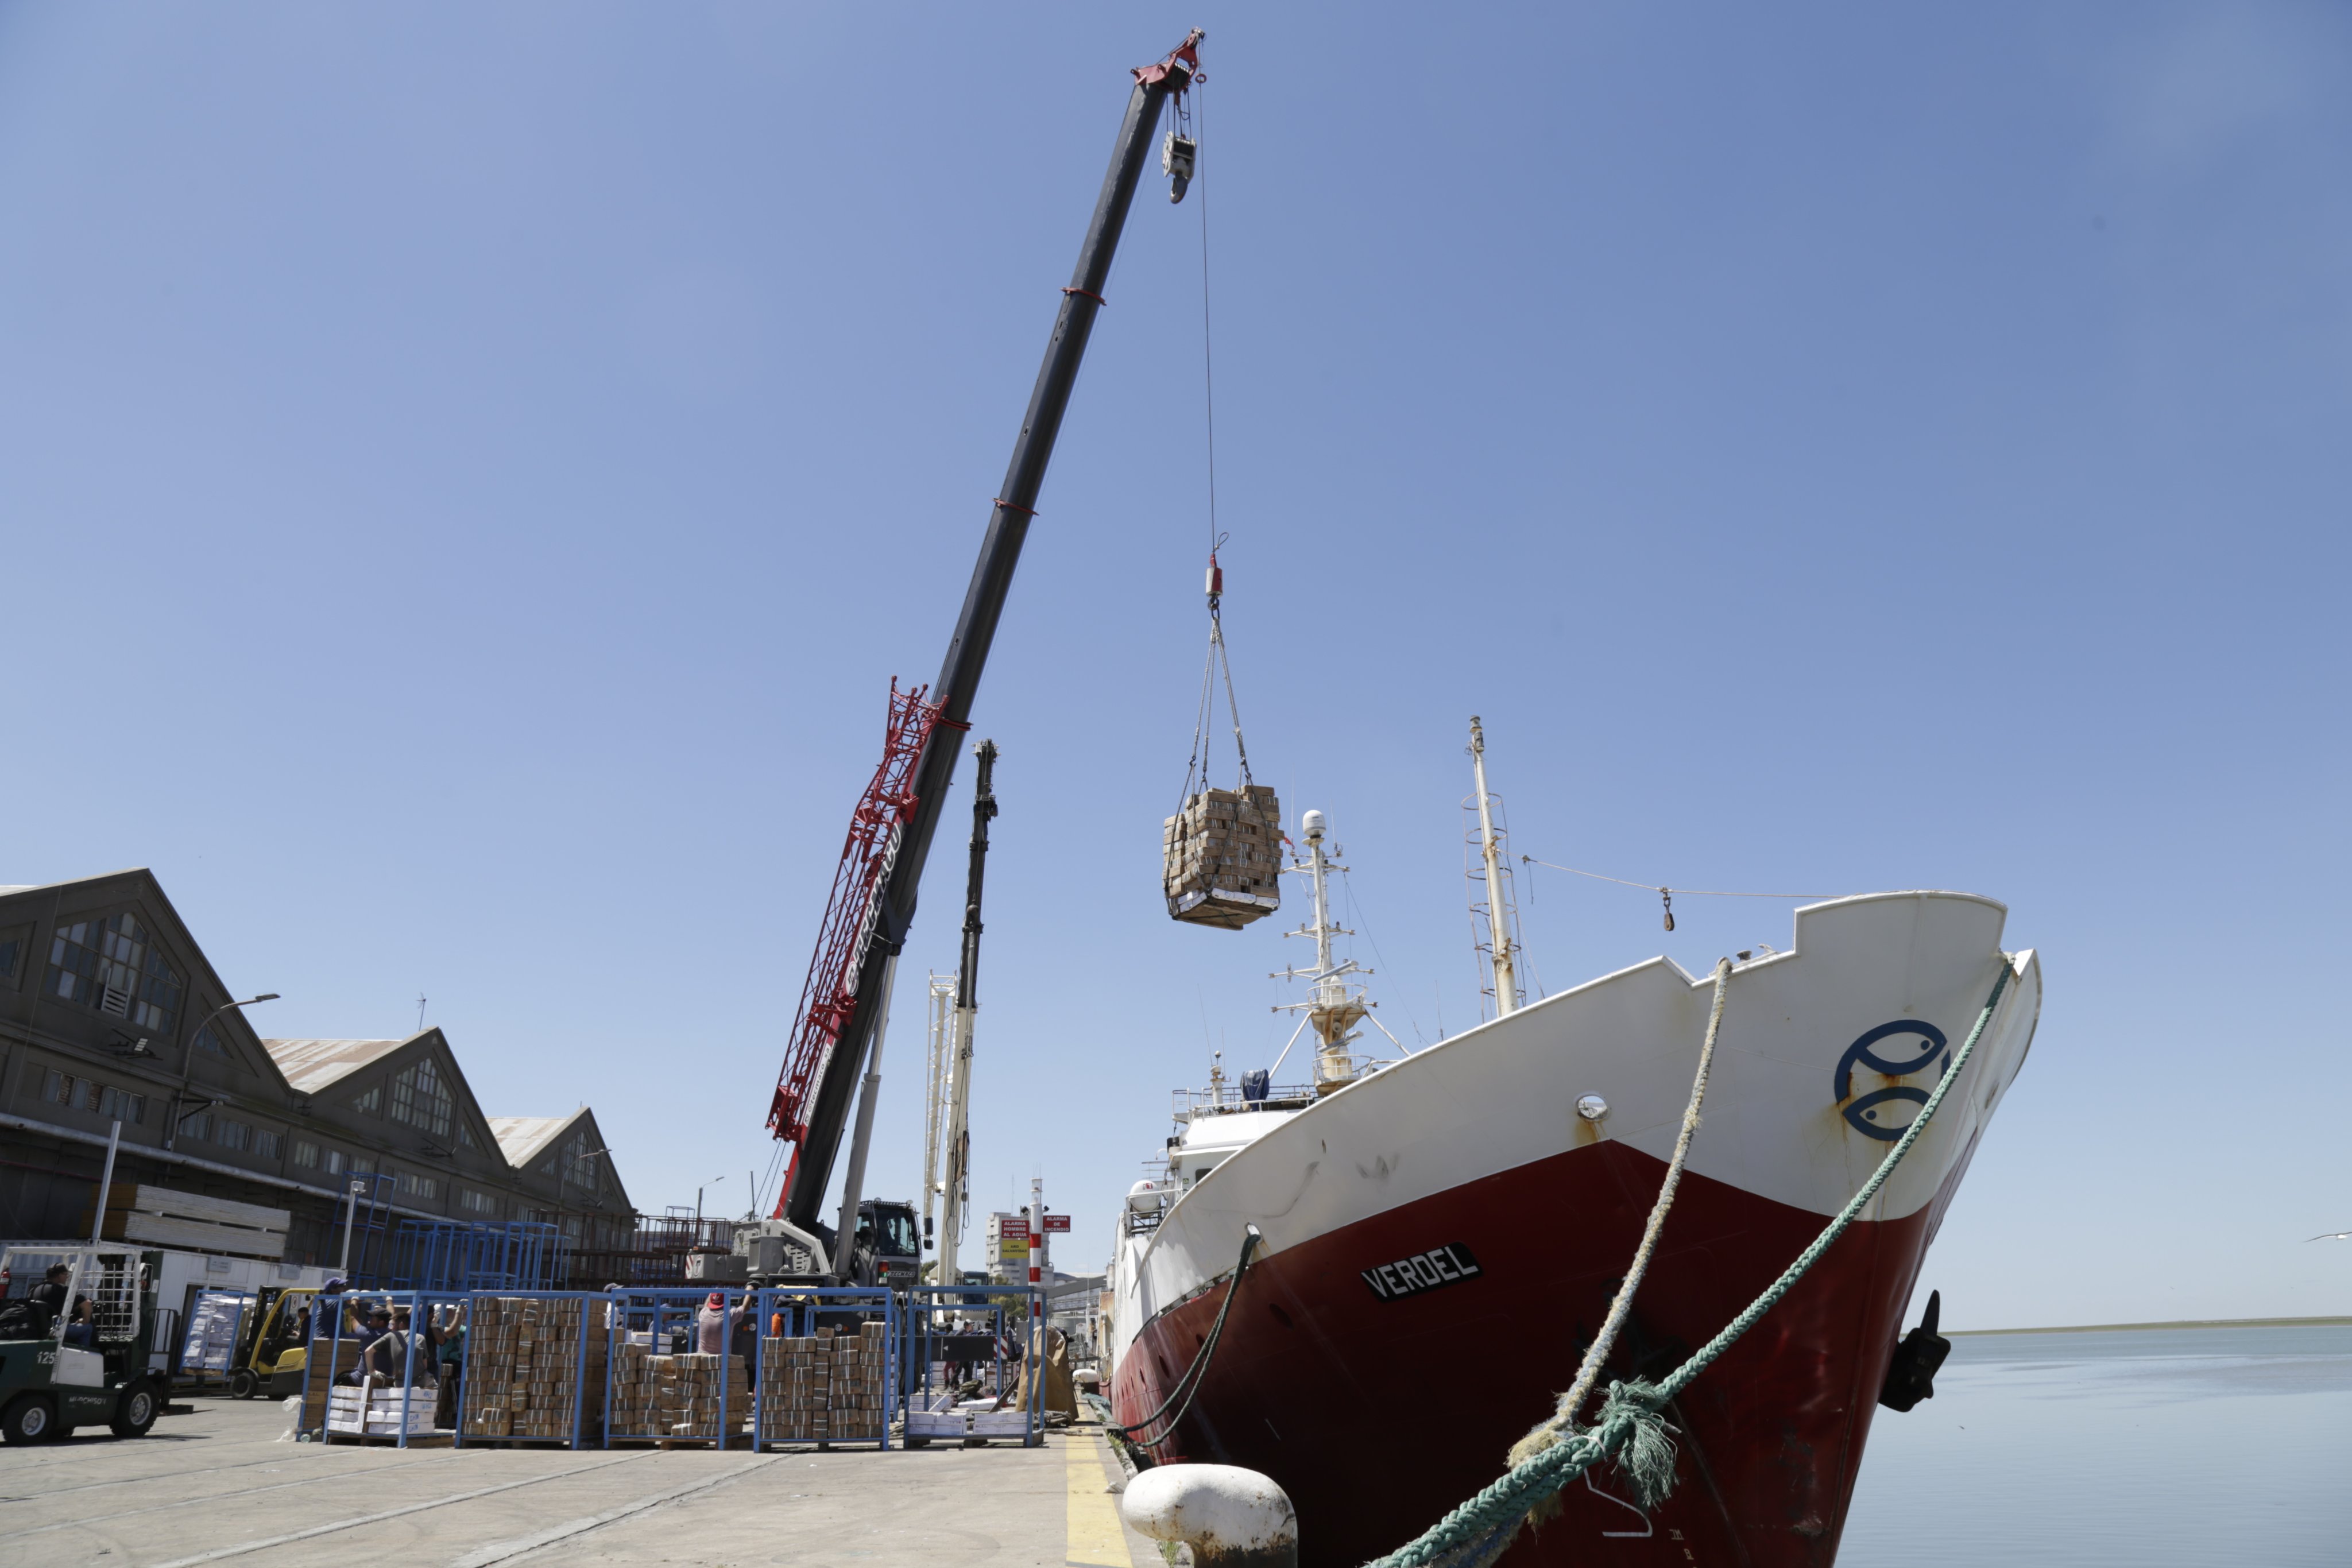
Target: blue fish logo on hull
(1863, 1115)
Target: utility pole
(105, 1182)
(1498, 928)
(351, 1218)
(967, 1006)
(1037, 1368)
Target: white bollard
(1232, 1517)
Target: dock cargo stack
(828, 1387)
(528, 1374)
(710, 1388)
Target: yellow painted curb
(1097, 1538)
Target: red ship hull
(1378, 1412)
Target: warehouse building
(109, 1011)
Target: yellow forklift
(274, 1346)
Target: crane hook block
(1176, 159)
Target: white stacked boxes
(376, 1412)
(828, 1387)
(1222, 857)
(529, 1373)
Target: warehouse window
(266, 1144)
(579, 1164)
(233, 1135)
(370, 1100)
(112, 967)
(306, 1154)
(12, 953)
(208, 1039)
(465, 1136)
(477, 1202)
(199, 1125)
(415, 1185)
(334, 1162)
(420, 1099)
(122, 1106)
(59, 1088)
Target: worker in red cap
(713, 1323)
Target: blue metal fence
(455, 1255)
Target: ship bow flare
(1443, 1237)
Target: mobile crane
(845, 1001)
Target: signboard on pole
(1056, 1222)
(1013, 1225)
(1013, 1247)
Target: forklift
(270, 1353)
(62, 1367)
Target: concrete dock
(219, 1485)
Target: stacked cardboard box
(327, 1358)
(529, 1373)
(710, 1388)
(826, 1388)
(645, 1399)
(1222, 857)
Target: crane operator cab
(888, 1247)
(76, 1329)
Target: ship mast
(1499, 946)
(1339, 1003)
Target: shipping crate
(1222, 857)
(535, 1368)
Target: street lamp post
(188, 1062)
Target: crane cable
(1196, 772)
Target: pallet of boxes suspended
(1221, 854)
(827, 1368)
(534, 1368)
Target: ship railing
(1228, 1098)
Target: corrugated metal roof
(524, 1138)
(310, 1065)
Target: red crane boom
(829, 995)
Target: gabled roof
(524, 1139)
(312, 1065)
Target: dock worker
(83, 1329)
(451, 1354)
(398, 1353)
(49, 1295)
(713, 1323)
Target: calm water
(2141, 1449)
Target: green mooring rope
(1629, 1427)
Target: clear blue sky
(468, 477)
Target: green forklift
(76, 1355)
